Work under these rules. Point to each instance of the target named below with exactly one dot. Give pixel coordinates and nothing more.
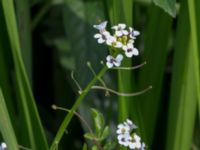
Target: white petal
(138, 145)
(109, 57)
(135, 52)
(106, 33)
(124, 48)
(130, 46)
(129, 54)
(132, 145)
(115, 27)
(117, 64)
(101, 26)
(97, 36)
(3, 145)
(100, 41)
(118, 33)
(109, 65)
(131, 40)
(122, 26)
(119, 58)
(120, 125)
(136, 137)
(130, 29)
(136, 33)
(125, 32)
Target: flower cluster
(127, 138)
(3, 146)
(122, 41)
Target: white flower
(123, 129)
(134, 142)
(111, 61)
(120, 30)
(123, 139)
(133, 33)
(112, 41)
(102, 37)
(3, 146)
(143, 146)
(101, 27)
(130, 124)
(130, 50)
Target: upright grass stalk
(155, 54)
(6, 127)
(194, 11)
(35, 137)
(121, 12)
(184, 87)
(24, 28)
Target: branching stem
(120, 93)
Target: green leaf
(98, 120)
(32, 128)
(168, 6)
(184, 87)
(6, 125)
(84, 146)
(105, 133)
(146, 107)
(89, 136)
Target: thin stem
(69, 116)
(100, 80)
(130, 68)
(122, 94)
(76, 82)
(83, 120)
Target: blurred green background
(43, 41)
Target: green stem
(69, 116)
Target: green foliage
(102, 132)
(168, 5)
(6, 127)
(170, 46)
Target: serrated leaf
(168, 6)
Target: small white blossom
(130, 50)
(102, 37)
(3, 146)
(101, 27)
(123, 139)
(143, 146)
(133, 33)
(112, 41)
(111, 61)
(130, 124)
(123, 129)
(135, 142)
(120, 30)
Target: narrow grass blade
(155, 54)
(194, 11)
(35, 137)
(184, 91)
(121, 12)
(6, 125)
(24, 28)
